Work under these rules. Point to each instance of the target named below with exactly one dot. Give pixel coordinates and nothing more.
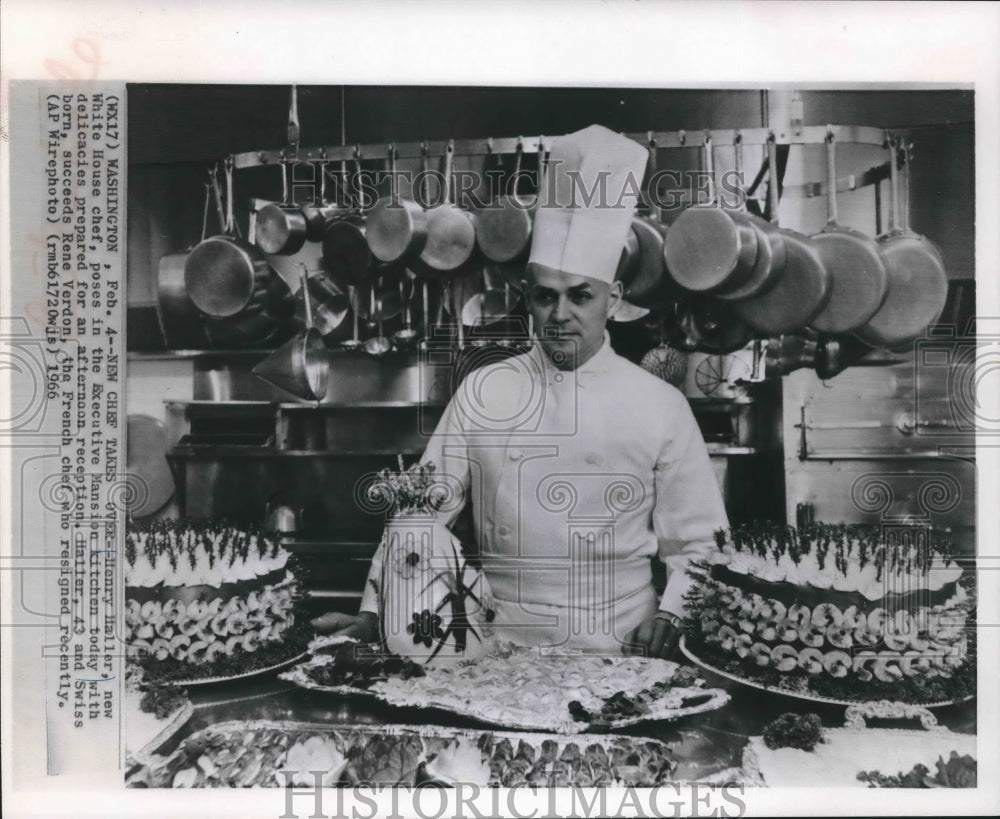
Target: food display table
(708, 746)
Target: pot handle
(204, 211)
(307, 302)
(213, 181)
(518, 153)
(449, 155)
(772, 182)
(831, 177)
(393, 189)
(709, 166)
(895, 214)
(424, 173)
(904, 187)
(231, 226)
(738, 163)
(541, 168)
(645, 199)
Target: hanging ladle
(406, 338)
(300, 366)
(354, 342)
(377, 346)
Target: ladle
(377, 346)
(407, 338)
(354, 342)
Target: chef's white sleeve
(447, 450)
(688, 508)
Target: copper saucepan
(858, 279)
(796, 298)
(180, 319)
(281, 228)
(769, 264)
(503, 228)
(918, 281)
(709, 249)
(397, 226)
(450, 248)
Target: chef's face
(570, 313)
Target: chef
(579, 465)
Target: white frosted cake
(837, 611)
(202, 593)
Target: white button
(515, 454)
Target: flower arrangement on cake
(433, 604)
(836, 611)
(208, 599)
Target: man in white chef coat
(579, 465)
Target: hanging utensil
(397, 226)
(858, 279)
(354, 342)
(377, 346)
(646, 284)
(503, 228)
(769, 265)
(182, 322)
(709, 248)
(331, 305)
(451, 234)
(301, 366)
(709, 325)
(406, 338)
(345, 247)
(320, 214)
(798, 296)
(918, 281)
(226, 276)
(281, 228)
(666, 362)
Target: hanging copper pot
(397, 226)
(769, 265)
(708, 248)
(504, 227)
(858, 279)
(918, 281)
(450, 249)
(796, 298)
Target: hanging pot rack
(810, 135)
(512, 146)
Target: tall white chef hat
(591, 189)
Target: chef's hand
(656, 637)
(363, 627)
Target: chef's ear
(615, 297)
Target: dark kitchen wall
(177, 131)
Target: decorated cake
(539, 689)
(433, 605)
(207, 599)
(835, 611)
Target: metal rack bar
(811, 135)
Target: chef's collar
(599, 362)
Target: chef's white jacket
(576, 479)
